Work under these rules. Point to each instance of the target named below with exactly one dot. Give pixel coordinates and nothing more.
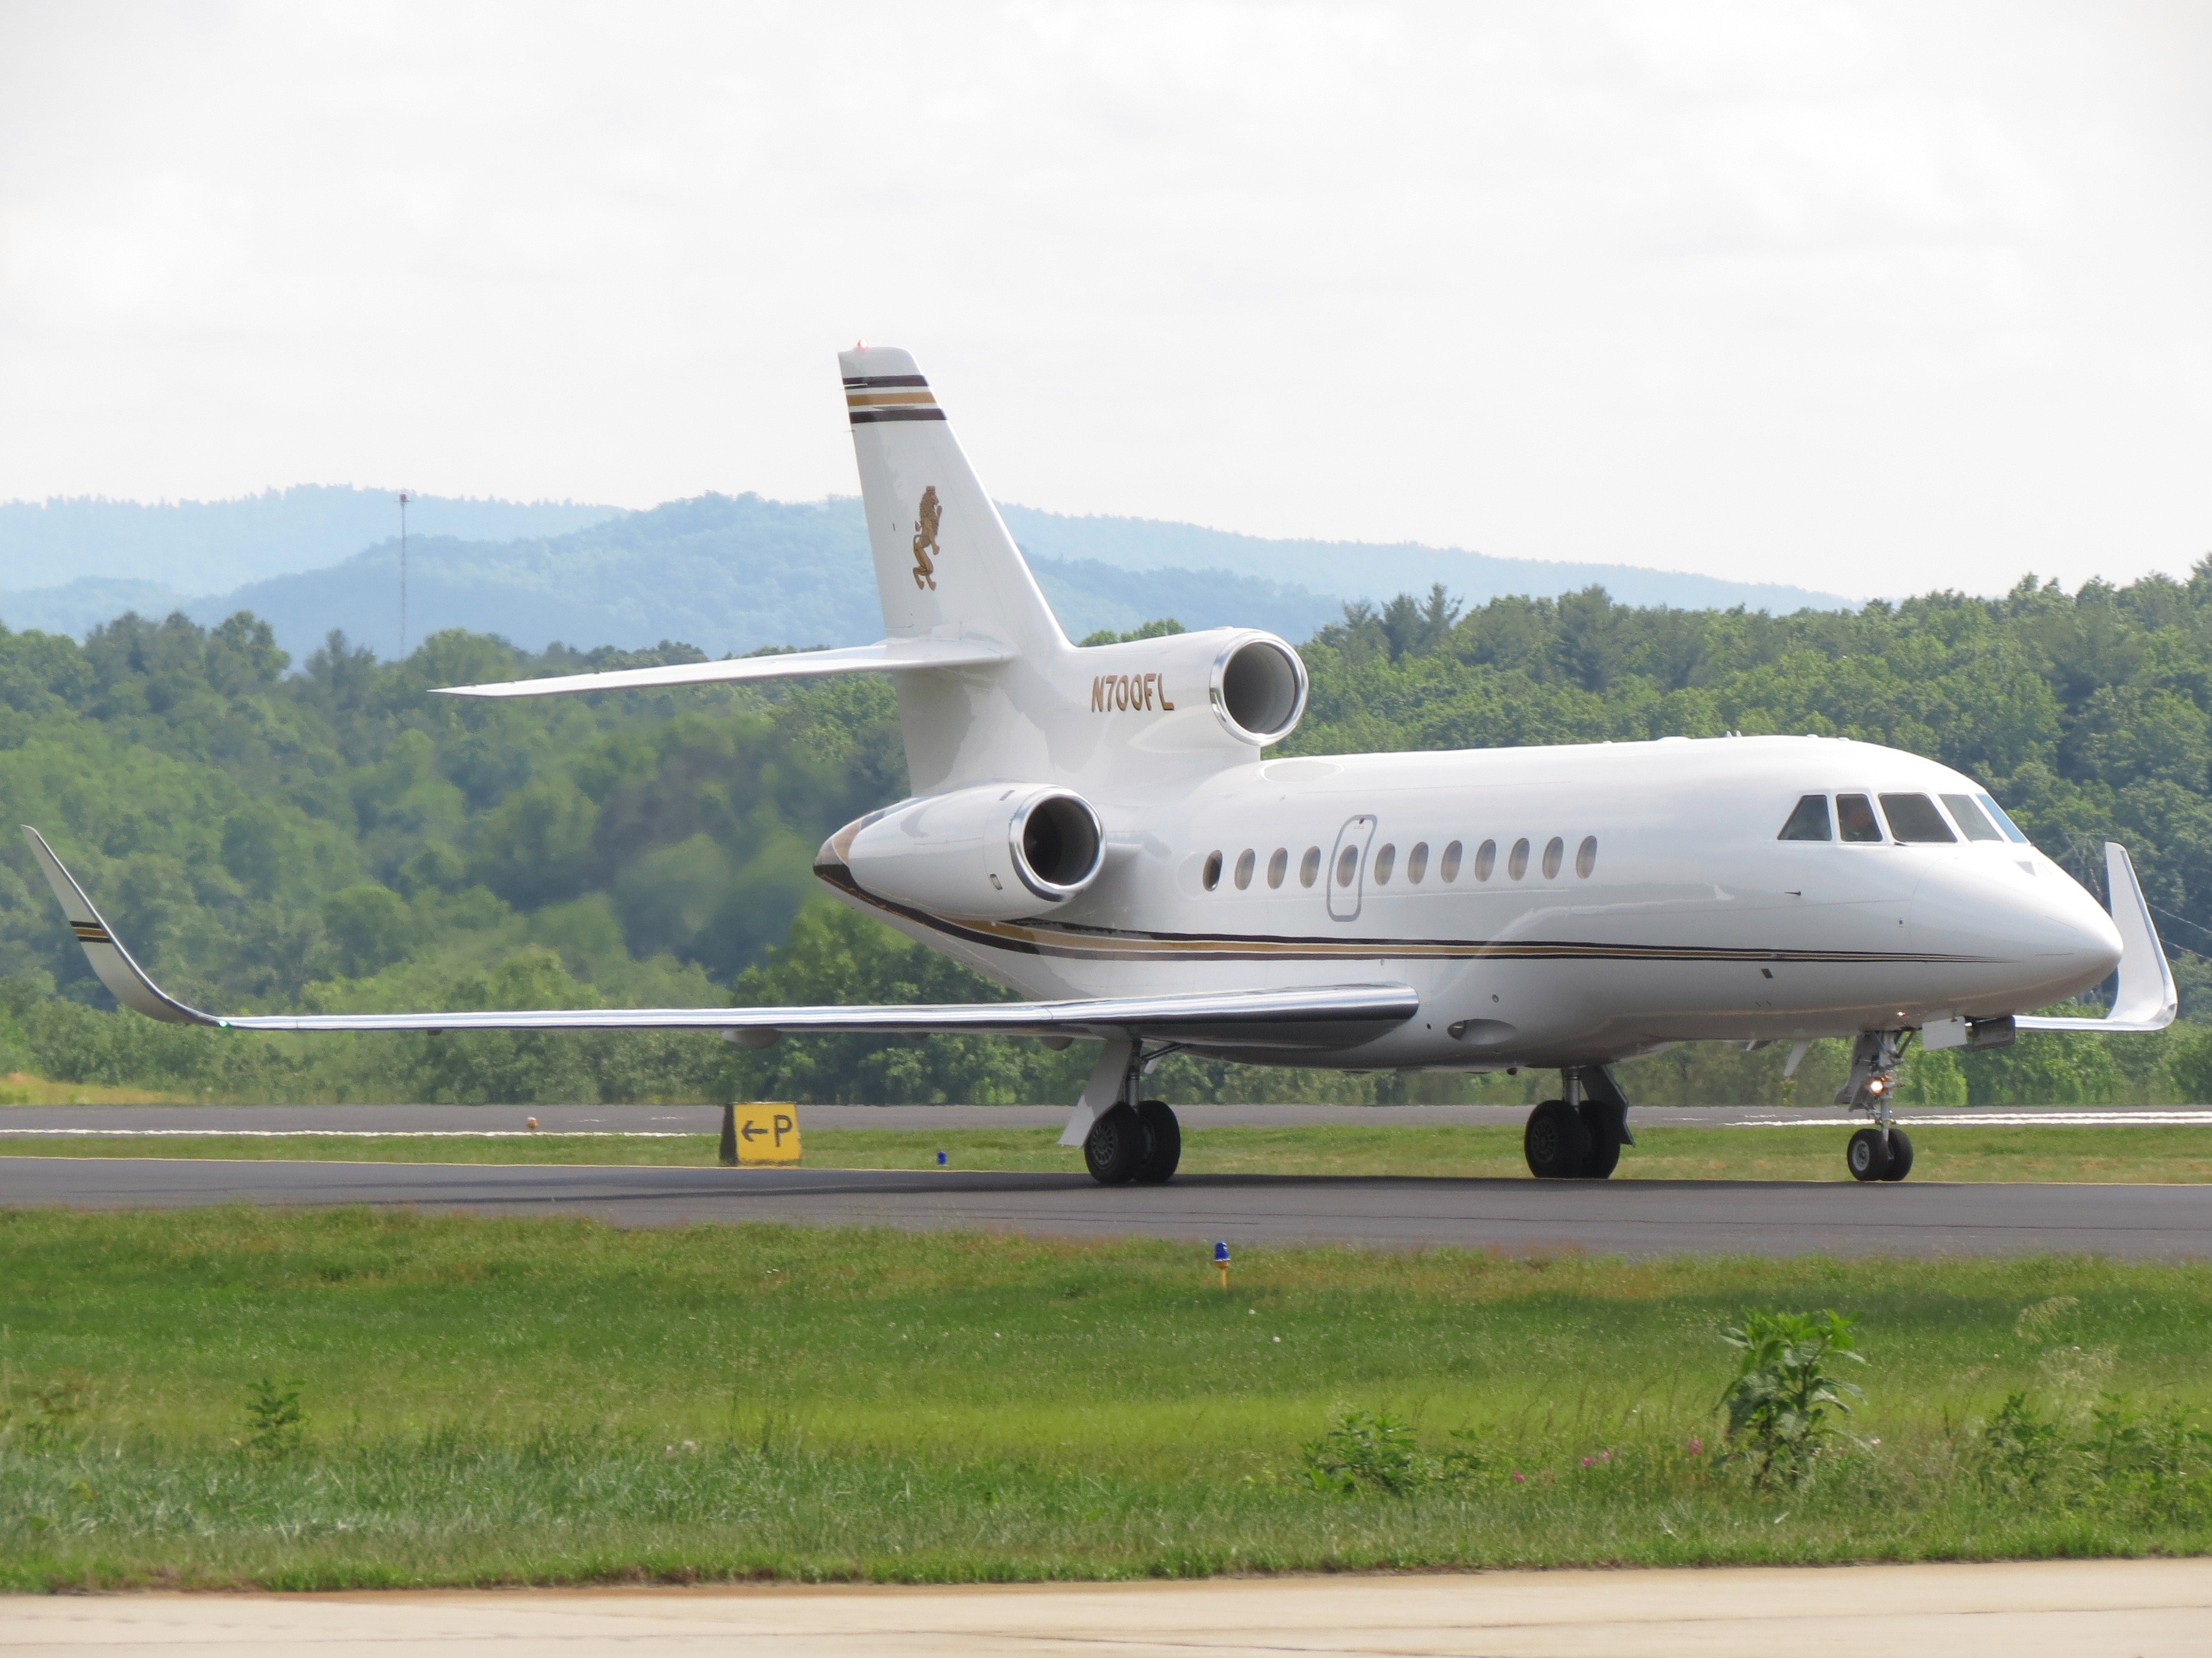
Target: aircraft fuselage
(1561, 905)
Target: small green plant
(2149, 1458)
(275, 1423)
(59, 1411)
(1363, 1448)
(1778, 1406)
(1366, 1451)
(2019, 1449)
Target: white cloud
(1872, 297)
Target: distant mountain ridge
(211, 546)
(1375, 570)
(733, 574)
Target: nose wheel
(1882, 1151)
(1876, 1154)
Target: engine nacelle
(1226, 688)
(996, 853)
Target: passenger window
(1417, 862)
(1212, 874)
(1348, 865)
(1516, 862)
(1554, 850)
(1809, 822)
(2003, 821)
(1385, 861)
(1914, 818)
(1855, 817)
(1278, 866)
(1244, 862)
(1310, 866)
(1450, 868)
(1485, 860)
(1586, 856)
(1972, 821)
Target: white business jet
(1097, 828)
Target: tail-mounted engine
(994, 852)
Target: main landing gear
(1580, 1136)
(1134, 1139)
(1882, 1151)
(1141, 1143)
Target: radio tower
(402, 575)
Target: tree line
(337, 838)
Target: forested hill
(333, 836)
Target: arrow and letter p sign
(763, 1133)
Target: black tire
(1599, 1120)
(1163, 1142)
(1901, 1156)
(1866, 1157)
(1556, 1143)
(1113, 1150)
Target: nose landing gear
(1882, 1151)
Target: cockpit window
(1809, 822)
(2011, 829)
(1855, 817)
(1914, 818)
(1973, 822)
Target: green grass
(556, 1400)
(2150, 1153)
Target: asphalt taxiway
(1633, 1217)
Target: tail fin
(945, 565)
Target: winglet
(122, 975)
(2146, 994)
(2145, 999)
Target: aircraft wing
(884, 656)
(1333, 1016)
(2145, 998)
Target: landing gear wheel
(1163, 1142)
(1604, 1142)
(1556, 1142)
(1113, 1150)
(1901, 1156)
(1866, 1157)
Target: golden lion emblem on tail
(925, 539)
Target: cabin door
(1347, 873)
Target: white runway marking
(2044, 1119)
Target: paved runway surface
(2043, 1609)
(1639, 1217)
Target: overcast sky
(1871, 298)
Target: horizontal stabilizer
(2145, 999)
(1325, 1016)
(885, 656)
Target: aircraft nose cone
(2041, 937)
(2085, 934)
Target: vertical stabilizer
(945, 565)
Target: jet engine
(998, 852)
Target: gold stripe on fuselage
(882, 399)
(1101, 944)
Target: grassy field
(2169, 1154)
(553, 1401)
(20, 1088)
